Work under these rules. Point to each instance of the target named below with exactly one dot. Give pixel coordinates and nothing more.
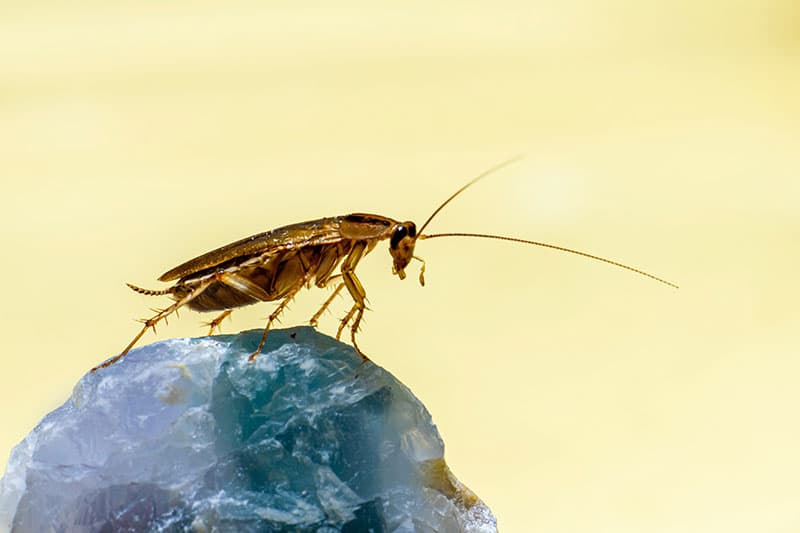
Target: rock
(186, 435)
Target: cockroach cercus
(275, 265)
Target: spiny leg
(274, 315)
(345, 320)
(356, 291)
(358, 311)
(315, 318)
(214, 324)
(151, 322)
(354, 329)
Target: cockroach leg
(354, 329)
(345, 320)
(161, 315)
(215, 324)
(358, 311)
(357, 292)
(274, 316)
(334, 294)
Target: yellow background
(572, 396)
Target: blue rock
(186, 435)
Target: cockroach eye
(400, 232)
(412, 229)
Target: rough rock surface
(186, 435)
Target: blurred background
(572, 396)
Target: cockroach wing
(313, 232)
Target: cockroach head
(401, 246)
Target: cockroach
(277, 264)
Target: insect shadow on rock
(275, 265)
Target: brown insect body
(273, 261)
(276, 265)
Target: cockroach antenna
(518, 240)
